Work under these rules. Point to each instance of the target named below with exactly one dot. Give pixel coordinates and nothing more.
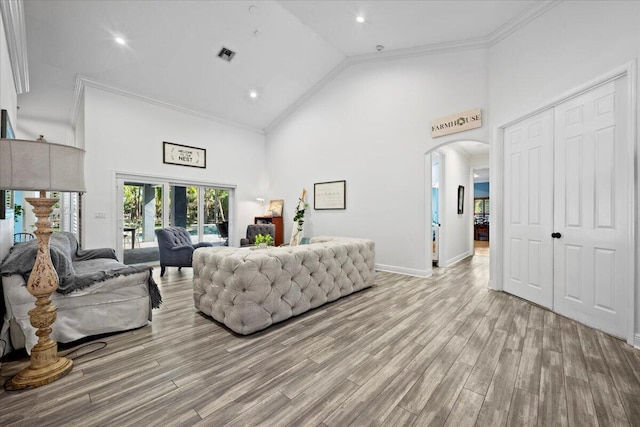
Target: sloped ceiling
(283, 49)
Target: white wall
(9, 102)
(456, 229)
(126, 135)
(8, 96)
(571, 45)
(370, 125)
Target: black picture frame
(6, 199)
(330, 195)
(460, 199)
(184, 155)
(6, 130)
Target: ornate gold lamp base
(45, 366)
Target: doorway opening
(481, 207)
(451, 201)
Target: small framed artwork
(275, 207)
(329, 195)
(460, 199)
(183, 155)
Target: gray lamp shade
(40, 166)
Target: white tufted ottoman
(249, 290)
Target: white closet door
(591, 210)
(528, 246)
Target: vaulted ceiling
(283, 50)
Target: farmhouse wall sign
(456, 123)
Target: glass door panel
(184, 210)
(149, 205)
(215, 213)
(142, 214)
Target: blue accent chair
(175, 247)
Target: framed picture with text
(329, 195)
(183, 155)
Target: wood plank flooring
(407, 352)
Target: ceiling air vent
(226, 54)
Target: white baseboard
(459, 258)
(403, 270)
(636, 341)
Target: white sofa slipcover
(96, 293)
(249, 290)
(117, 304)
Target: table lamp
(41, 166)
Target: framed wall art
(329, 195)
(183, 155)
(460, 199)
(275, 207)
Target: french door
(528, 201)
(146, 204)
(567, 229)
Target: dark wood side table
(481, 232)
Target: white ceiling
(481, 175)
(403, 24)
(473, 148)
(283, 50)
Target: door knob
(556, 235)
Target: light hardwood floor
(409, 351)
(481, 248)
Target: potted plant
(263, 240)
(17, 212)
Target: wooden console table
(275, 220)
(481, 232)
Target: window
(481, 206)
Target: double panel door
(567, 209)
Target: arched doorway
(451, 170)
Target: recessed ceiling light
(360, 19)
(120, 41)
(253, 94)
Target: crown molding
(432, 49)
(15, 30)
(515, 24)
(82, 82)
(324, 81)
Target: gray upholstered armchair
(254, 229)
(176, 249)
